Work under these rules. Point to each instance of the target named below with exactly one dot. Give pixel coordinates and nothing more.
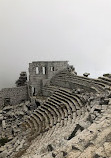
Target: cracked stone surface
(73, 121)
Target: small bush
(3, 141)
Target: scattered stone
(50, 148)
(86, 74)
(73, 122)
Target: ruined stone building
(41, 72)
(56, 114)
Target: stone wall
(13, 95)
(40, 72)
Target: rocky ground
(11, 118)
(86, 133)
(82, 138)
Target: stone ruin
(56, 114)
(22, 79)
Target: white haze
(75, 30)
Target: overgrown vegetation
(3, 141)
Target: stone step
(53, 109)
(81, 81)
(84, 79)
(74, 96)
(57, 107)
(58, 102)
(73, 103)
(105, 80)
(46, 117)
(65, 102)
(75, 100)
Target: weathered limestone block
(104, 107)
(3, 124)
(107, 148)
(20, 145)
(100, 152)
(3, 154)
(74, 154)
(88, 152)
(86, 74)
(62, 154)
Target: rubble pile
(71, 119)
(11, 118)
(83, 136)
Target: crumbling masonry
(56, 114)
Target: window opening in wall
(52, 68)
(44, 70)
(33, 91)
(37, 70)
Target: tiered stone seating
(48, 90)
(54, 111)
(73, 132)
(92, 141)
(72, 81)
(58, 102)
(32, 126)
(105, 80)
(55, 104)
(64, 115)
(61, 108)
(78, 103)
(76, 97)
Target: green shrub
(3, 141)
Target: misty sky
(75, 30)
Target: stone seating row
(105, 80)
(62, 106)
(102, 81)
(59, 107)
(66, 130)
(59, 130)
(75, 85)
(95, 140)
(48, 90)
(87, 81)
(67, 74)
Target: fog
(75, 30)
